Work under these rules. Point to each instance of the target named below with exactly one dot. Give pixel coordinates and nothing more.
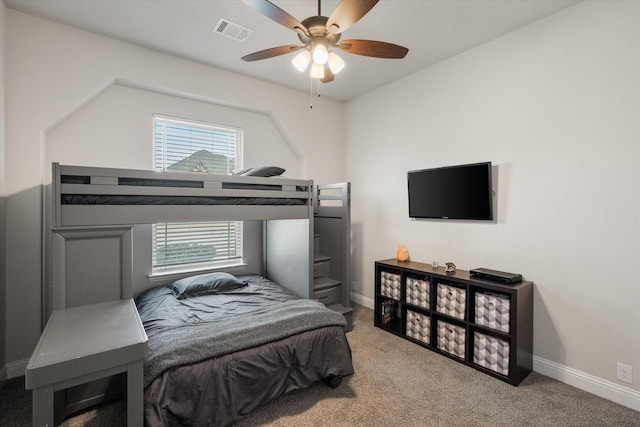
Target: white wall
(2, 203)
(115, 129)
(556, 107)
(553, 105)
(59, 79)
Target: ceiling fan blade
(328, 74)
(374, 48)
(271, 52)
(348, 13)
(272, 11)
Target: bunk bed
(90, 201)
(86, 198)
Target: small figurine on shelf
(451, 267)
(402, 253)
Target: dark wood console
(483, 324)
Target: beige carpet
(398, 383)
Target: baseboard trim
(16, 369)
(609, 390)
(362, 300)
(3, 373)
(617, 393)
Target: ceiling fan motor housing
(317, 27)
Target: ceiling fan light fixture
(301, 60)
(320, 35)
(335, 63)
(320, 54)
(317, 71)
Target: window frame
(237, 236)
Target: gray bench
(83, 344)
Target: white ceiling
(433, 30)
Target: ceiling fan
(320, 36)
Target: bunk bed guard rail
(85, 196)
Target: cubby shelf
(483, 324)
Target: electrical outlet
(625, 373)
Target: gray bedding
(214, 358)
(126, 200)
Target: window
(187, 146)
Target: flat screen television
(452, 192)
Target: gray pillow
(203, 284)
(264, 171)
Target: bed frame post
(333, 226)
(55, 194)
(288, 253)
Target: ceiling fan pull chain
(311, 92)
(318, 81)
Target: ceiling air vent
(232, 30)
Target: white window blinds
(185, 146)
